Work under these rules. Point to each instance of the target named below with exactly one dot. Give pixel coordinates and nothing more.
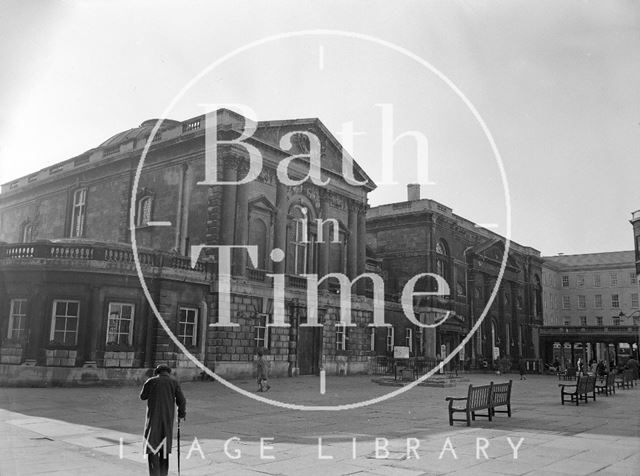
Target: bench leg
(509, 410)
(468, 418)
(473, 416)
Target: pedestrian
(633, 365)
(579, 366)
(162, 393)
(523, 369)
(263, 372)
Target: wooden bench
(577, 391)
(625, 379)
(607, 385)
(478, 398)
(501, 396)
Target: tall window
(78, 213)
(596, 280)
(337, 255)
(580, 280)
(143, 212)
(599, 320)
(565, 281)
(615, 301)
(18, 319)
(408, 338)
(583, 321)
(188, 325)
(64, 322)
(634, 299)
(566, 321)
(341, 337)
(614, 278)
(120, 323)
(566, 302)
(582, 302)
(616, 320)
(442, 260)
(598, 301)
(301, 251)
(262, 331)
(632, 277)
(27, 233)
(390, 336)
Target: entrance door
(309, 347)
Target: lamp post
(635, 315)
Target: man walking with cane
(162, 393)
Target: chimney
(413, 192)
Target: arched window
(143, 211)
(258, 237)
(442, 260)
(27, 232)
(78, 213)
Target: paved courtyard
(95, 430)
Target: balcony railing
(587, 330)
(97, 252)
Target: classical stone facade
(635, 223)
(424, 236)
(590, 301)
(70, 294)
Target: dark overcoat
(162, 394)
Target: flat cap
(162, 368)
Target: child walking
(263, 372)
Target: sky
(555, 83)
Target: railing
(96, 252)
(191, 126)
(296, 282)
(256, 274)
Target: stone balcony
(87, 255)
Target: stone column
(325, 246)
(429, 337)
(280, 230)
(230, 174)
(352, 248)
(242, 222)
(361, 260)
(39, 324)
(93, 326)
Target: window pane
(72, 309)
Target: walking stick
(178, 446)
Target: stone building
(635, 222)
(424, 236)
(70, 295)
(588, 303)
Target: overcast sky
(557, 84)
